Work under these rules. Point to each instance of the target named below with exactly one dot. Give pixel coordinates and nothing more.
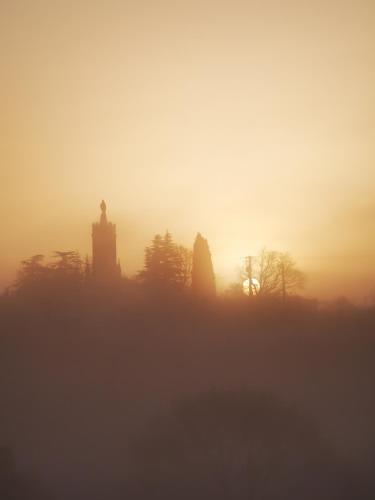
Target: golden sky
(250, 121)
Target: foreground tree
(203, 277)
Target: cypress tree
(203, 277)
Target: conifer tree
(153, 261)
(164, 264)
(203, 277)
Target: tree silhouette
(68, 264)
(203, 278)
(32, 273)
(277, 274)
(186, 261)
(290, 276)
(268, 272)
(166, 264)
(67, 273)
(63, 275)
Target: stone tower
(105, 267)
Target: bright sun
(255, 286)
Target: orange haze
(249, 121)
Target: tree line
(168, 265)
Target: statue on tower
(103, 208)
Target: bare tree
(267, 272)
(291, 278)
(186, 258)
(277, 273)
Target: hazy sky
(252, 122)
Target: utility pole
(250, 274)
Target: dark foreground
(117, 398)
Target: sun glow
(255, 286)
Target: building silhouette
(105, 267)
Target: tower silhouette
(104, 254)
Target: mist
(251, 122)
